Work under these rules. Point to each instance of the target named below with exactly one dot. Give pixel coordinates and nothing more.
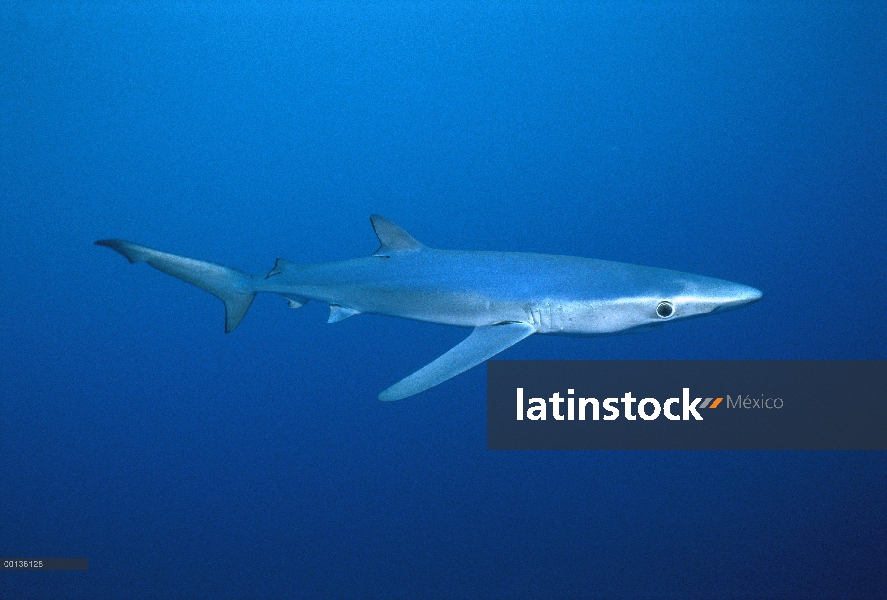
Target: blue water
(744, 141)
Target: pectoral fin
(483, 343)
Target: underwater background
(745, 141)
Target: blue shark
(503, 296)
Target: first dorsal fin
(393, 238)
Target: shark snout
(753, 295)
(736, 295)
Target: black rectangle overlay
(765, 405)
(44, 564)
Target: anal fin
(296, 301)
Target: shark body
(504, 296)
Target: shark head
(645, 298)
(704, 296)
(685, 296)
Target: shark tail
(234, 288)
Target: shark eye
(665, 309)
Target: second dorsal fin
(392, 237)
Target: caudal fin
(235, 288)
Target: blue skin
(556, 294)
(504, 296)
